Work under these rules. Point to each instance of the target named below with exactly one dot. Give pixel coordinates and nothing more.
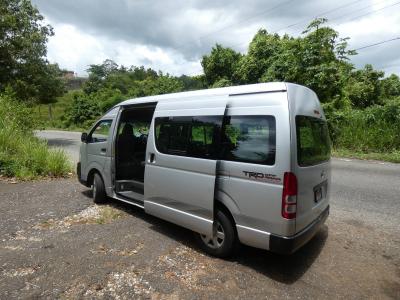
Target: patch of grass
(390, 157)
(108, 214)
(92, 215)
(22, 155)
(58, 109)
(371, 130)
(26, 157)
(60, 113)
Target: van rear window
(313, 143)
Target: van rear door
(312, 168)
(181, 161)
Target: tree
(81, 111)
(98, 74)
(164, 84)
(23, 65)
(193, 82)
(390, 86)
(222, 83)
(363, 87)
(318, 60)
(263, 51)
(221, 63)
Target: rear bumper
(78, 174)
(288, 245)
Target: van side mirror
(84, 137)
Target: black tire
(219, 247)
(99, 191)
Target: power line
(269, 10)
(337, 8)
(389, 66)
(378, 43)
(308, 19)
(355, 11)
(371, 12)
(320, 14)
(360, 16)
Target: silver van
(247, 164)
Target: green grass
(22, 155)
(390, 157)
(58, 111)
(26, 157)
(108, 214)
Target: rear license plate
(320, 191)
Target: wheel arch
(90, 176)
(226, 203)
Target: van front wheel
(223, 240)
(99, 191)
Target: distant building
(68, 74)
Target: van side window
(100, 132)
(188, 136)
(249, 139)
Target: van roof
(229, 91)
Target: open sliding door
(181, 160)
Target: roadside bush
(82, 111)
(374, 129)
(22, 155)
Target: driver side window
(100, 132)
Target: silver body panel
(180, 188)
(183, 190)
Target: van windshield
(313, 143)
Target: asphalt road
(67, 140)
(56, 244)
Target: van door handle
(152, 158)
(103, 150)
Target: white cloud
(172, 37)
(75, 50)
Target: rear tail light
(289, 196)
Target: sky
(172, 35)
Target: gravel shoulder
(56, 244)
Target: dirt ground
(56, 244)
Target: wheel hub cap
(217, 240)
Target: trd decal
(262, 176)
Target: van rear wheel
(98, 189)
(223, 240)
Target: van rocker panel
(187, 220)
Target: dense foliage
(109, 84)
(318, 59)
(374, 129)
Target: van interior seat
(127, 163)
(126, 143)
